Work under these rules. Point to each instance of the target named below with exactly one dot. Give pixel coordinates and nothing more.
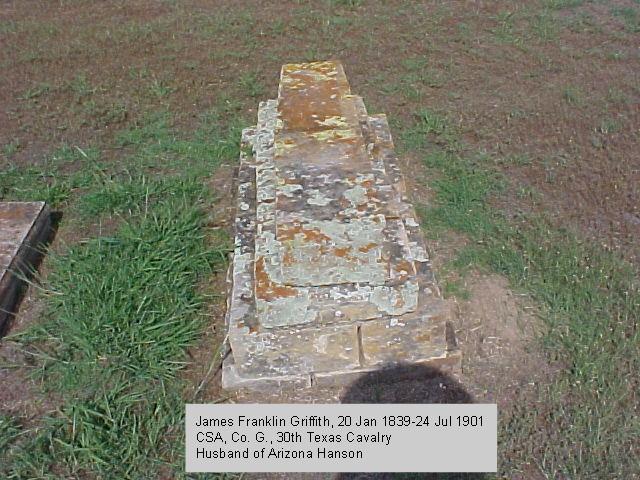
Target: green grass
(412, 83)
(155, 145)
(34, 184)
(544, 26)
(427, 123)
(9, 431)
(560, 4)
(81, 87)
(160, 88)
(36, 91)
(11, 148)
(71, 172)
(573, 95)
(251, 84)
(581, 426)
(122, 309)
(70, 154)
(8, 27)
(345, 3)
(609, 125)
(582, 22)
(114, 342)
(126, 194)
(454, 288)
(147, 302)
(630, 16)
(55, 179)
(505, 31)
(617, 96)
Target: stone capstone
(330, 275)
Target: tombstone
(23, 227)
(330, 276)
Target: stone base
(24, 226)
(232, 379)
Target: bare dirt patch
(577, 124)
(497, 335)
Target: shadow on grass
(406, 383)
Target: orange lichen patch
(265, 288)
(404, 265)
(310, 235)
(327, 67)
(366, 248)
(372, 194)
(367, 184)
(303, 109)
(282, 146)
(341, 251)
(312, 95)
(287, 258)
(322, 147)
(297, 114)
(252, 328)
(404, 268)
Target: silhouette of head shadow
(407, 383)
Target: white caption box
(341, 438)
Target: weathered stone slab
(23, 226)
(330, 272)
(275, 352)
(416, 339)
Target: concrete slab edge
(26, 256)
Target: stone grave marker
(330, 276)
(23, 227)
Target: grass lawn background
(519, 120)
